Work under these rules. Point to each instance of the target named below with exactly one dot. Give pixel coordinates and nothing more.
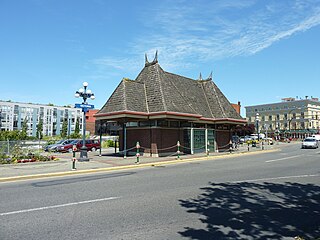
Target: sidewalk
(108, 162)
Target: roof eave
(223, 120)
(165, 114)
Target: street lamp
(85, 94)
(257, 125)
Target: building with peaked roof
(159, 108)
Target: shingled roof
(155, 92)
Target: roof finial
(155, 60)
(210, 76)
(200, 77)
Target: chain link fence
(9, 147)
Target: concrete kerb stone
(131, 166)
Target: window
(163, 123)
(174, 124)
(144, 124)
(132, 124)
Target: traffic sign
(88, 106)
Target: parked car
(245, 139)
(317, 137)
(91, 144)
(310, 143)
(53, 147)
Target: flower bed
(27, 159)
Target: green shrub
(108, 143)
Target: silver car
(310, 143)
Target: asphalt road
(263, 196)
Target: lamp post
(257, 125)
(85, 94)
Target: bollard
(74, 149)
(262, 145)
(230, 146)
(74, 163)
(178, 151)
(137, 154)
(248, 146)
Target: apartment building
(13, 114)
(292, 117)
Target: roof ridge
(145, 93)
(205, 95)
(161, 81)
(180, 76)
(124, 93)
(218, 100)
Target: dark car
(91, 144)
(53, 147)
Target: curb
(118, 168)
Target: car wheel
(70, 150)
(93, 149)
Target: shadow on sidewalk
(255, 211)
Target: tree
(242, 130)
(40, 129)
(64, 130)
(77, 128)
(9, 135)
(24, 129)
(76, 133)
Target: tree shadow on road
(256, 211)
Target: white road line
(285, 158)
(58, 206)
(278, 178)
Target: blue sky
(258, 51)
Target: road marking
(58, 206)
(285, 158)
(277, 178)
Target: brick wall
(153, 139)
(222, 138)
(90, 121)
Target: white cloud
(189, 31)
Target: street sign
(87, 106)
